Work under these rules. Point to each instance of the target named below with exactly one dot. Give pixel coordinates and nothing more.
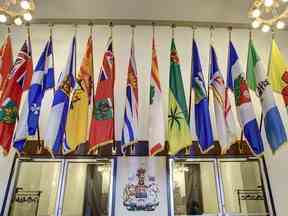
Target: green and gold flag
(179, 135)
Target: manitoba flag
(102, 124)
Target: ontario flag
(11, 97)
(156, 114)
(102, 124)
(6, 61)
(246, 115)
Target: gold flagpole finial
(51, 25)
(111, 29)
(173, 26)
(230, 33)
(194, 28)
(250, 34)
(75, 29)
(273, 34)
(153, 30)
(212, 34)
(91, 28)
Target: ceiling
(228, 11)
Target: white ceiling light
(25, 4)
(256, 13)
(3, 18)
(256, 24)
(27, 16)
(268, 3)
(280, 24)
(266, 28)
(18, 21)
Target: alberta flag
(130, 125)
(55, 134)
(225, 122)
(42, 80)
(179, 134)
(246, 115)
(259, 83)
(202, 115)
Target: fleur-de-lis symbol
(175, 117)
(35, 109)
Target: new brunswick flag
(77, 122)
(278, 72)
(102, 124)
(179, 135)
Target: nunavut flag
(77, 122)
(11, 97)
(102, 124)
(278, 72)
(179, 135)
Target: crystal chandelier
(16, 11)
(268, 14)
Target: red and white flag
(156, 113)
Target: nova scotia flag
(42, 79)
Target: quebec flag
(42, 80)
(55, 135)
(245, 111)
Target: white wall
(183, 36)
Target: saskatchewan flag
(278, 72)
(179, 135)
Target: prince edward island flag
(179, 135)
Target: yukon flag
(55, 139)
(42, 80)
(278, 72)
(258, 82)
(156, 114)
(6, 61)
(246, 115)
(77, 122)
(102, 123)
(179, 135)
(11, 97)
(130, 124)
(225, 122)
(202, 115)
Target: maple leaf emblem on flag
(175, 117)
(8, 112)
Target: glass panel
(243, 189)
(36, 189)
(194, 188)
(87, 189)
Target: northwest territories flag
(259, 83)
(55, 134)
(225, 122)
(246, 115)
(42, 79)
(202, 115)
(130, 125)
(156, 112)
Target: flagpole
(51, 40)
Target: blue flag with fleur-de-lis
(42, 79)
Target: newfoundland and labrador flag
(55, 138)
(102, 124)
(278, 72)
(42, 80)
(156, 112)
(77, 122)
(225, 121)
(202, 116)
(11, 96)
(179, 135)
(259, 83)
(130, 125)
(246, 115)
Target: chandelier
(16, 11)
(268, 14)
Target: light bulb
(280, 24)
(3, 18)
(256, 13)
(268, 3)
(25, 4)
(256, 24)
(18, 21)
(27, 16)
(266, 28)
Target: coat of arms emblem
(141, 194)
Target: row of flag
(70, 124)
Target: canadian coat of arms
(141, 195)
